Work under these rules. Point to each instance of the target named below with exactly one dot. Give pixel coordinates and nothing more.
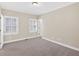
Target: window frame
(31, 24)
(17, 26)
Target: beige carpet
(36, 47)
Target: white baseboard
(20, 39)
(65, 45)
(10, 41)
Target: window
(33, 25)
(10, 25)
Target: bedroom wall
(62, 25)
(23, 25)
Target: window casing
(10, 25)
(33, 25)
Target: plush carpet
(36, 47)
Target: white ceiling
(27, 7)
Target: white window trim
(34, 19)
(17, 26)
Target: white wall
(62, 25)
(23, 25)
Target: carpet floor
(36, 47)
